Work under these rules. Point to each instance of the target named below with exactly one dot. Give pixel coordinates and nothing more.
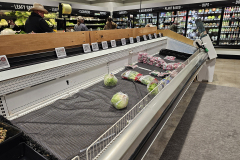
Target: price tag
(150, 36)
(113, 43)
(95, 46)
(131, 40)
(104, 45)
(60, 52)
(155, 35)
(4, 62)
(144, 37)
(123, 40)
(86, 48)
(138, 39)
(160, 35)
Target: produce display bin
(21, 152)
(13, 138)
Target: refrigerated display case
(211, 18)
(165, 20)
(180, 20)
(141, 20)
(230, 26)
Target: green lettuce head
(110, 80)
(120, 100)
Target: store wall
(228, 51)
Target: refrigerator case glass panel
(165, 19)
(230, 26)
(180, 20)
(211, 19)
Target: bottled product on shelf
(230, 26)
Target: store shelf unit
(230, 27)
(121, 18)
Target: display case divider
(220, 26)
(186, 22)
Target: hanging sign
(138, 39)
(60, 52)
(104, 45)
(4, 62)
(144, 37)
(131, 40)
(123, 40)
(95, 46)
(86, 48)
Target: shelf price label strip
(4, 62)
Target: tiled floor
(227, 73)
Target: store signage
(144, 37)
(4, 62)
(155, 35)
(237, 1)
(113, 43)
(103, 13)
(122, 12)
(131, 40)
(173, 7)
(60, 52)
(95, 46)
(51, 9)
(84, 11)
(160, 34)
(205, 4)
(104, 45)
(15, 6)
(150, 36)
(123, 40)
(86, 48)
(146, 10)
(138, 39)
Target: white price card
(86, 48)
(160, 35)
(150, 36)
(60, 52)
(4, 62)
(113, 43)
(155, 35)
(144, 37)
(95, 46)
(131, 40)
(138, 39)
(104, 45)
(123, 40)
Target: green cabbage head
(110, 80)
(120, 100)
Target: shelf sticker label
(150, 36)
(131, 40)
(144, 37)
(113, 43)
(138, 39)
(4, 62)
(160, 35)
(95, 46)
(104, 45)
(155, 35)
(60, 52)
(86, 48)
(123, 40)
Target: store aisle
(227, 73)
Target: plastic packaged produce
(110, 80)
(141, 56)
(153, 87)
(165, 81)
(131, 75)
(154, 73)
(147, 79)
(7, 31)
(170, 58)
(120, 100)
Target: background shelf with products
(141, 20)
(211, 18)
(230, 26)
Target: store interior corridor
(204, 124)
